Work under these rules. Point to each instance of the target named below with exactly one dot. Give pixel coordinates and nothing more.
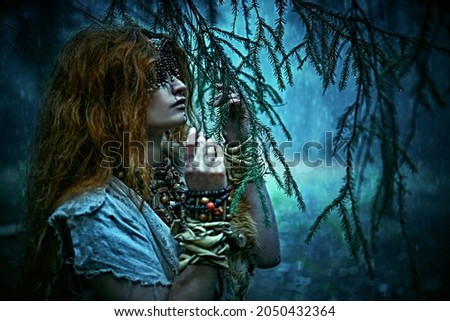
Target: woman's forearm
(195, 283)
(266, 224)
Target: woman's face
(167, 107)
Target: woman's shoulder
(108, 219)
(111, 195)
(82, 203)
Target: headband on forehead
(166, 62)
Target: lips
(179, 103)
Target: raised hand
(204, 163)
(231, 98)
(236, 123)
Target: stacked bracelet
(240, 159)
(209, 206)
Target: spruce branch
(345, 49)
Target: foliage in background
(346, 50)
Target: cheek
(151, 113)
(153, 104)
(156, 116)
(156, 97)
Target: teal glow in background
(321, 270)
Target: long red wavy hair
(99, 90)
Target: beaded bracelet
(209, 206)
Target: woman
(115, 211)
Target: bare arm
(266, 224)
(196, 283)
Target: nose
(178, 87)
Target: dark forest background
(32, 32)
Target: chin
(184, 120)
(180, 122)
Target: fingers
(200, 151)
(195, 144)
(210, 149)
(204, 163)
(207, 155)
(217, 100)
(230, 88)
(219, 152)
(232, 98)
(190, 145)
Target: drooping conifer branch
(346, 50)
